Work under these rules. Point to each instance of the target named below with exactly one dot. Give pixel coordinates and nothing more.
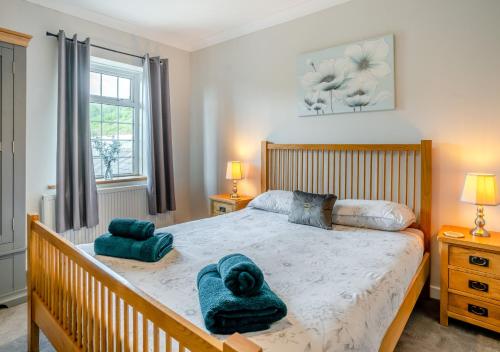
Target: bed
(83, 302)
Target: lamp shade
(480, 189)
(233, 171)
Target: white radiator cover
(123, 201)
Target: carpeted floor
(422, 334)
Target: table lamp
(481, 190)
(234, 173)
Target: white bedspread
(342, 287)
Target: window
(115, 115)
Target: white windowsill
(117, 181)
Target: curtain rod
(100, 47)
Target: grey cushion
(312, 209)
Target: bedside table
(470, 278)
(223, 203)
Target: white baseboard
(14, 298)
(435, 292)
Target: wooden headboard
(397, 172)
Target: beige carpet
(422, 334)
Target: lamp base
(234, 194)
(479, 230)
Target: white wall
(42, 89)
(447, 86)
(243, 91)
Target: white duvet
(342, 287)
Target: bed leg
(33, 337)
(33, 329)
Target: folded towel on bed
(131, 228)
(240, 274)
(225, 313)
(149, 250)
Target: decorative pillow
(373, 214)
(275, 201)
(312, 209)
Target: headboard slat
(356, 171)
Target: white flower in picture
(315, 102)
(329, 76)
(356, 77)
(370, 58)
(363, 92)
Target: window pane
(109, 86)
(95, 112)
(125, 166)
(114, 167)
(126, 114)
(95, 129)
(95, 153)
(98, 167)
(95, 83)
(124, 88)
(126, 149)
(109, 113)
(110, 122)
(126, 131)
(109, 130)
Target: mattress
(343, 287)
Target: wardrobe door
(12, 167)
(6, 145)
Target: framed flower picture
(347, 78)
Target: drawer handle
(222, 209)
(479, 261)
(477, 310)
(478, 286)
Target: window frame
(117, 69)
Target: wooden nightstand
(470, 278)
(223, 204)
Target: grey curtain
(76, 193)
(158, 139)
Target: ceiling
(189, 24)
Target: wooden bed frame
(82, 305)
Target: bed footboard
(80, 304)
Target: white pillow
(275, 201)
(372, 214)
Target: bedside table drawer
(475, 259)
(475, 309)
(474, 284)
(219, 208)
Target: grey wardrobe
(12, 168)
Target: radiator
(124, 201)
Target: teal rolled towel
(131, 228)
(225, 313)
(150, 250)
(240, 274)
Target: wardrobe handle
(478, 286)
(477, 310)
(479, 261)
